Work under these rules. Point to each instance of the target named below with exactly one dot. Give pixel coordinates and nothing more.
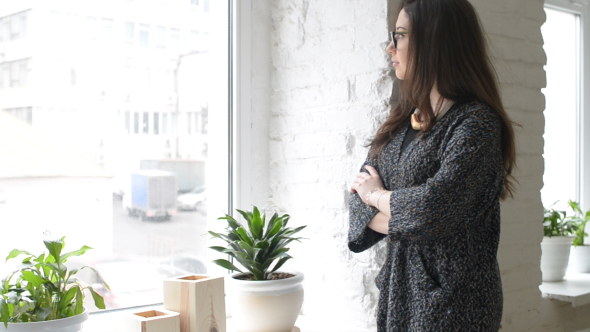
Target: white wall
(330, 88)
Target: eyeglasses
(395, 36)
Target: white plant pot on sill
(268, 305)
(580, 258)
(555, 256)
(70, 324)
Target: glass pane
(144, 35)
(560, 33)
(105, 152)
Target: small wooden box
(200, 300)
(157, 320)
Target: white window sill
(575, 288)
(110, 322)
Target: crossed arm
(470, 178)
(365, 185)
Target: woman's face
(399, 57)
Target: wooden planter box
(151, 321)
(200, 300)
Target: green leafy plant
(42, 288)
(556, 223)
(580, 218)
(255, 247)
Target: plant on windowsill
(42, 294)
(263, 297)
(555, 247)
(580, 252)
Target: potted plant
(556, 243)
(580, 252)
(42, 294)
(264, 298)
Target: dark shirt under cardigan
(441, 272)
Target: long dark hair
(447, 47)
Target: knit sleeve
(469, 180)
(360, 236)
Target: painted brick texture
(330, 87)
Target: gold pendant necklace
(416, 124)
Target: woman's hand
(366, 182)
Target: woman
(435, 174)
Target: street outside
(147, 252)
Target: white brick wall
(322, 85)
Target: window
(71, 26)
(95, 143)
(194, 41)
(174, 39)
(165, 123)
(189, 123)
(161, 37)
(566, 124)
(156, 123)
(91, 28)
(146, 123)
(24, 114)
(14, 26)
(144, 35)
(129, 32)
(106, 30)
(127, 122)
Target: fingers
(353, 188)
(372, 170)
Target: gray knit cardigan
(441, 272)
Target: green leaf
(244, 235)
(15, 252)
(219, 236)
(98, 300)
(226, 264)
(220, 249)
(256, 224)
(275, 229)
(271, 224)
(278, 253)
(78, 252)
(247, 247)
(33, 278)
(280, 263)
(68, 297)
(79, 301)
(43, 313)
(298, 229)
(98, 276)
(233, 223)
(54, 246)
(4, 314)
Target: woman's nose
(390, 48)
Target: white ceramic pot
(580, 258)
(266, 306)
(70, 324)
(555, 256)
